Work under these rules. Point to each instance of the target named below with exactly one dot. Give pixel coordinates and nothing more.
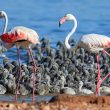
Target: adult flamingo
(21, 37)
(90, 42)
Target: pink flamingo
(21, 37)
(90, 42)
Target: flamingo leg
(33, 93)
(98, 77)
(19, 78)
(98, 65)
(102, 80)
(106, 52)
(105, 78)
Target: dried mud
(63, 102)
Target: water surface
(28, 98)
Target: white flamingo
(90, 42)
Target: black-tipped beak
(59, 24)
(62, 20)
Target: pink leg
(106, 52)
(33, 96)
(98, 88)
(98, 65)
(105, 78)
(99, 74)
(17, 84)
(101, 81)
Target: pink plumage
(20, 33)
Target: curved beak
(62, 20)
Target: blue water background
(93, 16)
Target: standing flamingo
(21, 37)
(90, 42)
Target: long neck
(48, 81)
(6, 23)
(80, 86)
(72, 32)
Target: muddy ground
(62, 102)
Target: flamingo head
(67, 17)
(2, 14)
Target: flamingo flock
(25, 37)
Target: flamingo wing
(95, 41)
(20, 33)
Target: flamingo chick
(93, 43)
(21, 37)
(84, 90)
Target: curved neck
(48, 80)
(80, 86)
(72, 32)
(6, 23)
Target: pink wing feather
(20, 33)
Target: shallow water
(38, 98)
